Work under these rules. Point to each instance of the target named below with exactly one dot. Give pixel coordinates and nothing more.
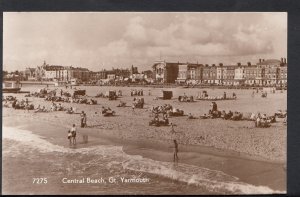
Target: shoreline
(248, 169)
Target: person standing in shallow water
(73, 132)
(175, 151)
(82, 119)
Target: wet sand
(250, 170)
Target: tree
(16, 72)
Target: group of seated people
(71, 110)
(121, 104)
(106, 110)
(162, 109)
(57, 107)
(204, 96)
(9, 98)
(80, 100)
(40, 109)
(175, 112)
(281, 113)
(185, 98)
(138, 103)
(261, 120)
(264, 120)
(164, 121)
(190, 116)
(17, 104)
(57, 99)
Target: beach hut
(79, 92)
(112, 95)
(166, 95)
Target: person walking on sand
(172, 129)
(73, 132)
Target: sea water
(105, 161)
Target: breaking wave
(114, 158)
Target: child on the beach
(70, 137)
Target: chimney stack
(239, 64)
(249, 63)
(285, 60)
(281, 60)
(263, 60)
(259, 60)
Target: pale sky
(98, 40)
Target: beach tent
(167, 95)
(79, 92)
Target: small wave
(213, 180)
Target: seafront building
(228, 75)
(165, 72)
(264, 73)
(269, 72)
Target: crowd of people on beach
(138, 103)
(135, 92)
(204, 96)
(161, 113)
(159, 122)
(261, 120)
(63, 97)
(185, 98)
(14, 103)
(109, 94)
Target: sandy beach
(256, 156)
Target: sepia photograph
(104, 103)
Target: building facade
(182, 73)
(165, 72)
(282, 76)
(228, 75)
(239, 75)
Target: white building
(182, 73)
(239, 75)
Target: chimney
(221, 64)
(249, 63)
(281, 60)
(285, 60)
(263, 60)
(259, 60)
(239, 64)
